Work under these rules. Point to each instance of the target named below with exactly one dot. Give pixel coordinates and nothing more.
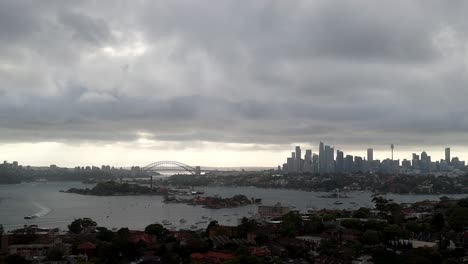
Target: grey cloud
(259, 72)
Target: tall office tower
(447, 155)
(322, 161)
(298, 153)
(293, 165)
(358, 164)
(290, 165)
(307, 167)
(425, 163)
(315, 163)
(329, 159)
(326, 156)
(348, 165)
(370, 155)
(339, 161)
(298, 159)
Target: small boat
(338, 201)
(204, 217)
(193, 227)
(30, 217)
(182, 221)
(166, 222)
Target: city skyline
(325, 161)
(272, 158)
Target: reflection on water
(57, 209)
(43, 210)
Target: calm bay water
(58, 209)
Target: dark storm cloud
(351, 72)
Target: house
(212, 257)
(36, 253)
(139, 236)
(272, 211)
(260, 251)
(87, 248)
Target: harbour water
(58, 209)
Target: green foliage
(328, 247)
(362, 213)
(371, 237)
(104, 234)
(82, 225)
(374, 224)
(156, 230)
(315, 225)
(55, 254)
(458, 218)
(242, 250)
(422, 256)
(437, 222)
(113, 188)
(380, 203)
(16, 259)
(352, 224)
(392, 232)
(383, 256)
(463, 202)
(290, 224)
(414, 227)
(247, 225)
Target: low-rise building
(277, 210)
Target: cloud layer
(355, 73)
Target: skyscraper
(322, 161)
(447, 155)
(370, 155)
(298, 159)
(329, 159)
(315, 163)
(339, 161)
(307, 167)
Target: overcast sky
(229, 83)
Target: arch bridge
(172, 166)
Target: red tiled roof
(136, 237)
(87, 245)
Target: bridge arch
(168, 165)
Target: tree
(55, 254)
(2, 230)
(290, 223)
(247, 225)
(104, 234)
(362, 213)
(16, 259)
(352, 224)
(392, 232)
(328, 247)
(438, 222)
(380, 203)
(156, 230)
(458, 218)
(82, 225)
(371, 237)
(383, 256)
